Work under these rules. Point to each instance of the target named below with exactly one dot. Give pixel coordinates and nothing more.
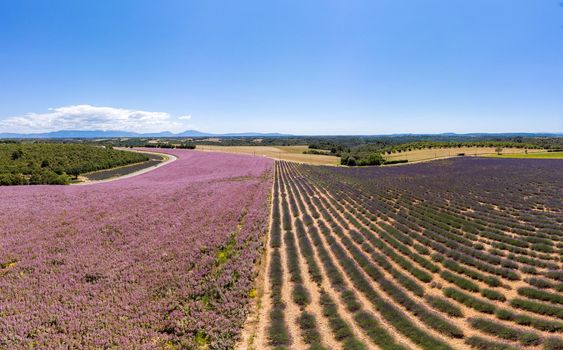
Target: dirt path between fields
(254, 332)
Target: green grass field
(541, 155)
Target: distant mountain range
(99, 134)
(96, 134)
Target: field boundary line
(168, 158)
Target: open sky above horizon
(300, 67)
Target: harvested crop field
(461, 253)
(162, 260)
(289, 153)
(536, 155)
(434, 153)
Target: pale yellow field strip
(289, 153)
(427, 154)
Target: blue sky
(304, 66)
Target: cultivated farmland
(455, 254)
(289, 153)
(162, 260)
(538, 155)
(418, 155)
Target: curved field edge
(129, 170)
(166, 259)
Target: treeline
(373, 153)
(361, 158)
(412, 146)
(353, 150)
(170, 145)
(57, 163)
(340, 144)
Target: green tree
(17, 154)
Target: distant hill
(256, 134)
(99, 134)
(478, 134)
(95, 134)
(194, 133)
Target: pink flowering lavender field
(165, 259)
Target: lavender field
(463, 253)
(160, 260)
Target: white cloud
(185, 117)
(87, 117)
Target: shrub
(308, 325)
(395, 161)
(556, 275)
(528, 339)
(455, 266)
(459, 281)
(538, 308)
(525, 320)
(492, 294)
(444, 306)
(501, 331)
(484, 344)
(350, 301)
(553, 344)
(300, 295)
(538, 294)
(539, 282)
(339, 327)
(469, 300)
(375, 332)
(278, 334)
